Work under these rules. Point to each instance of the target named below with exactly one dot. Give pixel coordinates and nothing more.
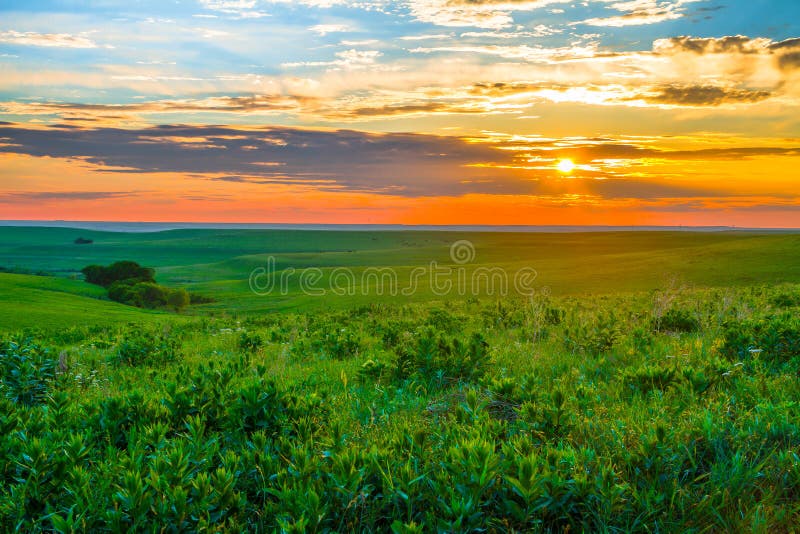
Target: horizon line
(94, 225)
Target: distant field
(219, 262)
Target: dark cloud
(786, 53)
(406, 164)
(43, 196)
(703, 95)
(710, 45)
(788, 44)
(345, 160)
(407, 109)
(790, 61)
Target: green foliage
(775, 339)
(439, 358)
(452, 421)
(178, 299)
(128, 271)
(250, 342)
(27, 373)
(786, 299)
(676, 320)
(147, 347)
(592, 334)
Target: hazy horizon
(147, 226)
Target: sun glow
(566, 166)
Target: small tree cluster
(130, 283)
(121, 271)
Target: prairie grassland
(616, 401)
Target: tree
(149, 295)
(178, 299)
(129, 271)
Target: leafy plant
(27, 374)
(147, 347)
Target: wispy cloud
(346, 59)
(640, 12)
(56, 40)
(490, 14)
(325, 29)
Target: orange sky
(645, 112)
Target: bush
(178, 299)
(438, 357)
(339, 344)
(26, 372)
(144, 294)
(250, 342)
(785, 300)
(676, 320)
(592, 335)
(147, 348)
(775, 339)
(116, 272)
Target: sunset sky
(632, 112)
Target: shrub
(178, 299)
(116, 272)
(250, 342)
(147, 348)
(592, 335)
(26, 372)
(339, 343)
(776, 339)
(194, 298)
(676, 320)
(439, 357)
(785, 300)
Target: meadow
(649, 384)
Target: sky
(595, 112)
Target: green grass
(652, 388)
(219, 262)
(646, 412)
(49, 303)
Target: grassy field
(218, 263)
(653, 387)
(48, 302)
(668, 412)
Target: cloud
(489, 14)
(640, 12)
(540, 30)
(788, 53)
(711, 45)
(346, 59)
(523, 52)
(262, 104)
(400, 164)
(244, 9)
(324, 29)
(703, 95)
(426, 37)
(57, 40)
(66, 196)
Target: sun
(566, 166)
